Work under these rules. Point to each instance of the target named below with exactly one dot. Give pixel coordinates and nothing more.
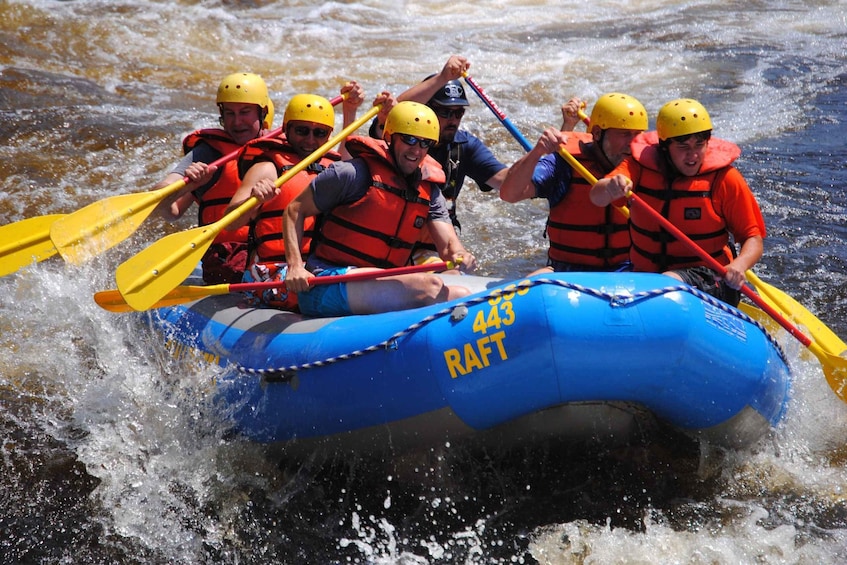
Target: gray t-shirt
(345, 182)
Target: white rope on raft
(284, 374)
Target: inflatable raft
(515, 357)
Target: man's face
(449, 118)
(305, 136)
(616, 143)
(687, 155)
(409, 152)
(241, 121)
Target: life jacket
(685, 201)
(580, 232)
(213, 199)
(266, 237)
(450, 190)
(381, 228)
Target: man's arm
(423, 91)
(518, 184)
(449, 245)
(296, 279)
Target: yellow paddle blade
(825, 344)
(145, 278)
(113, 300)
(834, 369)
(792, 309)
(101, 225)
(25, 242)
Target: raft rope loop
(618, 300)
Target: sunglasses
(304, 131)
(412, 140)
(448, 113)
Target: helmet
(269, 116)
(683, 116)
(246, 88)
(616, 110)
(411, 118)
(310, 108)
(451, 94)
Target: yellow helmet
(411, 118)
(683, 116)
(616, 110)
(269, 116)
(246, 88)
(310, 108)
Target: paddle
(148, 276)
(25, 242)
(113, 301)
(497, 112)
(103, 224)
(834, 367)
(821, 334)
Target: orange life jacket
(381, 228)
(213, 201)
(266, 237)
(580, 232)
(685, 201)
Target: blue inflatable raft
(515, 355)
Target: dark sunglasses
(304, 131)
(448, 113)
(412, 140)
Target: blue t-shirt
(475, 160)
(552, 178)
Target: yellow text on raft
(479, 353)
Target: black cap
(451, 94)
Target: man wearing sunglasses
(687, 176)
(460, 153)
(307, 124)
(374, 209)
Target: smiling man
(374, 208)
(460, 153)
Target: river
(112, 452)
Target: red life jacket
(580, 232)
(266, 237)
(381, 228)
(685, 201)
(213, 201)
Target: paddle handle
(497, 112)
(113, 301)
(355, 275)
(586, 174)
